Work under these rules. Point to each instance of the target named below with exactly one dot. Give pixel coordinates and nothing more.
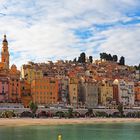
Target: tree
(115, 58)
(120, 109)
(33, 106)
(122, 61)
(83, 57)
(74, 60)
(106, 56)
(90, 59)
(70, 113)
(103, 56)
(79, 59)
(137, 67)
(7, 114)
(60, 114)
(109, 57)
(90, 112)
(101, 114)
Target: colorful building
(45, 91)
(91, 94)
(4, 89)
(115, 92)
(87, 93)
(106, 92)
(64, 90)
(126, 93)
(26, 97)
(14, 87)
(137, 93)
(12, 75)
(29, 72)
(73, 91)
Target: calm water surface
(119, 131)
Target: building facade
(45, 91)
(137, 93)
(73, 91)
(29, 72)
(126, 92)
(106, 92)
(4, 89)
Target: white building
(126, 92)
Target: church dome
(116, 82)
(13, 67)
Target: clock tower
(5, 53)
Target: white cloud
(40, 30)
(124, 42)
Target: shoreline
(51, 121)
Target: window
(52, 81)
(74, 98)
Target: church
(9, 77)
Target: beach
(56, 121)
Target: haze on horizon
(42, 30)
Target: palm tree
(70, 112)
(33, 106)
(89, 112)
(120, 109)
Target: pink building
(4, 89)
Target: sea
(100, 131)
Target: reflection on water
(119, 131)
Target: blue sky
(42, 30)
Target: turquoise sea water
(110, 131)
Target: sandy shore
(28, 121)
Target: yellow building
(105, 93)
(45, 90)
(73, 92)
(29, 73)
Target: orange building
(45, 90)
(15, 92)
(137, 93)
(26, 97)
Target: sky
(43, 30)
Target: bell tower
(5, 53)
